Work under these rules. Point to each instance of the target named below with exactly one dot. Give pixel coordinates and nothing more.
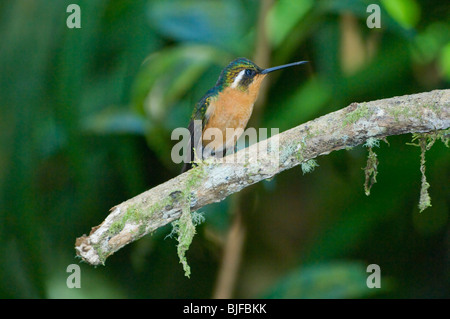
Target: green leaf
(405, 12)
(114, 120)
(282, 18)
(327, 280)
(221, 23)
(428, 43)
(169, 74)
(299, 107)
(358, 8)
(444, 61)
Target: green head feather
(232, 71)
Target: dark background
(85, 122)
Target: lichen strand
(425, 141)
(371, 171)
(425, 144)
(186, 231)
(425, 199)
(362, 110)
(184, 227)
(308, 166)
(444, 136)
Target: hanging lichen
(425, 141)
(371, 169)
(186, 231)
(308, 166)
(185, 227)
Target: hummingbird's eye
(249, 72)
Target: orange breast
(232, 109)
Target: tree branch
(213, 181)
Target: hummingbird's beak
(265, 71)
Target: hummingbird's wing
(199, 116)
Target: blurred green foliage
(86, 118)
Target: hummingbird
(229, 104)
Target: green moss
(141, 230)
(437, 107)
(184, 227)
(116, 227)
(362, 110)
(196, 174)
(395, 113)
(131, 215)
(288, 150)
(101, 254)
(186, 231)
(299, 155)
(400, 111)
(408, 112)
(307, 165)
(155, 208)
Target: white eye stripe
(238, 79)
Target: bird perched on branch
(229, 104)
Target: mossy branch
(213, 181)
